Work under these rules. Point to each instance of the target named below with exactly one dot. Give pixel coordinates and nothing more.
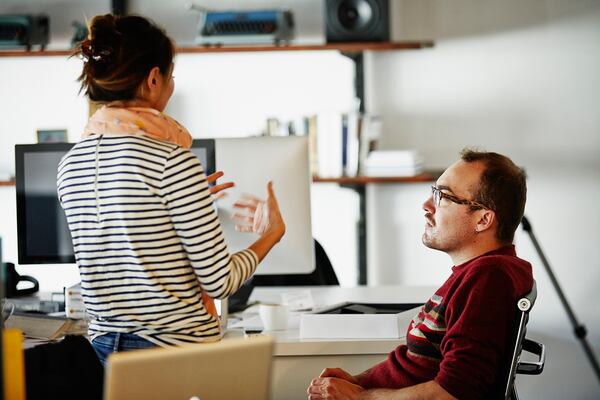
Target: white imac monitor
(253, 161)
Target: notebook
(237, 368)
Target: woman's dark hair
(502, 188)
(119, 53)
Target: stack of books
(386, 163)
(339, 143)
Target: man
(457, 344)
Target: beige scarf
(118, 119)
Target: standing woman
(147, 240)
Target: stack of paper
(357, 326)
(45, 327)
(394, 163)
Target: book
(394, 163)
(311, 131)
(40, 326)
(329, 144)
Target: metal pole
(579, 329)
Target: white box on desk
(356, 326)
(74, 307)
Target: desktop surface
(296, 361)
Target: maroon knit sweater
(459, 338)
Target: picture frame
(52, 136)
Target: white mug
(274, 316)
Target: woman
(146, 236)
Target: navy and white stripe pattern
(147, 239)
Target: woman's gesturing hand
(259, 216)
(217, 190)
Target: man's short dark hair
(502, 188)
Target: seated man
(457, 344)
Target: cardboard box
(359, 321)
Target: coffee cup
(274, 317)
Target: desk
(297, 361)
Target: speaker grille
(356, 20)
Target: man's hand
(338, 373)
(217, 190)
(333, 389)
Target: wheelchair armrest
(532, 368)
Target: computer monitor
(204, 149)
(251, 162)
(42, 231)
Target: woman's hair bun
(103, 30)
(103, 40)
(118, 54)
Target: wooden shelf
(428, 176)
(7, 183)
(343, 47)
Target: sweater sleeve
(479, 317)
(193, 215)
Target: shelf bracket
(359, 75)
(357, 58)
(119, 7)
(361, 231)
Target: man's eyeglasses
(438, 195)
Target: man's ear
(486, 220)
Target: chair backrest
(520, 343)
(233, 368)
(324, 274)
(63, 370)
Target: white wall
(216, 95)
(520, 78)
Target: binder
(13, 364)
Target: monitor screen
(42, 231)
(204, 149)
(251, 162)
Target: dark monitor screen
(204, 149)
(42, 232)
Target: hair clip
(96, 53)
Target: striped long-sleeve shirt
(147, 239)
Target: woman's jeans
(113, 342)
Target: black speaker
(357, 20)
